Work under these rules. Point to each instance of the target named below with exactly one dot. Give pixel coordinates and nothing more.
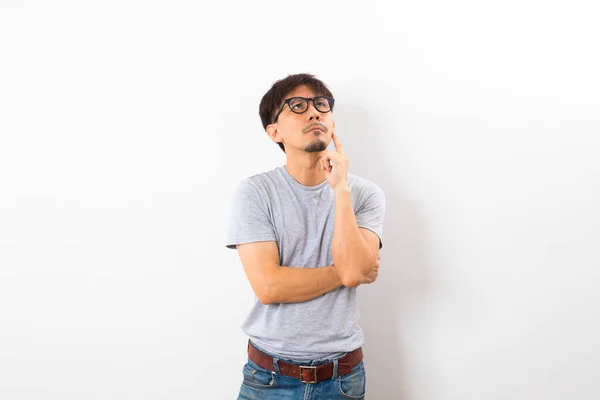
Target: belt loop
(335, 368)
(276, 365)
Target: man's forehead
(301, 91)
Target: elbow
(356, 276)
(351, 282)
(266, 302)
(266, 295)
(352, 279)
(266, 288)
(264, 299)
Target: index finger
(337, 144)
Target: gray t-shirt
(273, 206)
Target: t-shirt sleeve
(249, 219)
(371, 212)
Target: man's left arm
(355, 250)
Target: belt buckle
(314, 368)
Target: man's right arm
(273, 283)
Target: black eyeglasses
(299, 105)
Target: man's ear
(272, 131)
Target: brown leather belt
(307, 374)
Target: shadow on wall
(387, 305)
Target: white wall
(125, 126)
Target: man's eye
(297, 106)
(321, 103)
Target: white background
(125, 125)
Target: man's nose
(313, 112)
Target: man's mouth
(315, 127)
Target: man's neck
(305, 169)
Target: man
(307, 234)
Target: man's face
(310, 131)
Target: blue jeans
(262, 384)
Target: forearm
(350, 251)
(295, 285)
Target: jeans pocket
(353, 385)
(257, 377)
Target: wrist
(341, 188)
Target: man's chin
(316, 147)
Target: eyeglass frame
(330, 101)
